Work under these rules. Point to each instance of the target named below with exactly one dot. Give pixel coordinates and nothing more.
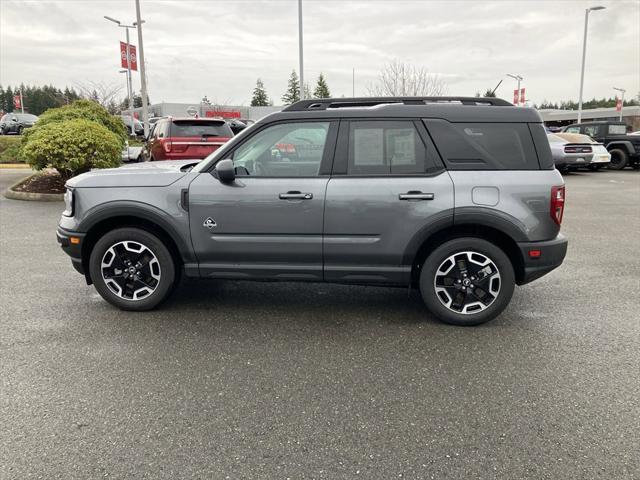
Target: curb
(37, 197)
(14, 165)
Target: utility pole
(584, 56)
(353, 82)
(621, 90)
(21, 102)
(299, 49)
(143, 74)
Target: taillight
(557, 203)
(167, 146)
(575, 149)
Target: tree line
(260, 97)
(586, 105)
(36, 99)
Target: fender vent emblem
(209, 223)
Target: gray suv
(455, 196)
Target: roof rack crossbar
(326, 103)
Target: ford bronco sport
(455, 196)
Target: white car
(600, 158)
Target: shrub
(86, 109)
(9, 149)
(72, 147)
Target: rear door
(387, 188)
(267, 224)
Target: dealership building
(552, 118)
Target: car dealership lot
(278, 380)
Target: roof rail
(326, 103)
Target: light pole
(300, 49)
(519, 79)
(129, 87)
(143, 74)
(584, 55)
(621, 90)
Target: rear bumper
(71, 249)
(551, 255)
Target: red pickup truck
(186, 138)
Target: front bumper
(74, 250)
(551, 255)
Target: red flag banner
(522, 100)
(516, 96)
(132, 54)
(16, 102)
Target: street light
(128, 70)
(621, 90)
(584, 55)
(519, 79)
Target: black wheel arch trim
(488, 217)
(622, 143)
(143, 211)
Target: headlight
(68, 203)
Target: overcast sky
(219, 48)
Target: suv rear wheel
(619, 159)
(467, 281)
(132, 269)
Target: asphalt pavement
(280, 380)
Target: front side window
(385, 147)
(283, 150)
(591, 130)
(573, 130)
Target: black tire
(619, 159)
(165, 269)
(504, 290)
(19, 130)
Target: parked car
(624, 149)
(457, 197)
(569, 156)
(635, 133)
(185, 138)
(16, 122)
(131, 154)
(138, 127)
(600, 156)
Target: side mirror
(225, 171)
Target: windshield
(194, 128)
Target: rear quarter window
(617, 129)
(486, 146)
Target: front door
(267, 224)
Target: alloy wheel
(467, 282)
(130, 270)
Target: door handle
(295, 195)
(415, 195)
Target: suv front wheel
(467, 281)
(132, 269)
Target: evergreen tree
(260, 97)
(292, 95)
(322, 89)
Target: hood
(148, 174)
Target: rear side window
(385, 147)
(484, 146)
(617, 129)
(187, 128)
